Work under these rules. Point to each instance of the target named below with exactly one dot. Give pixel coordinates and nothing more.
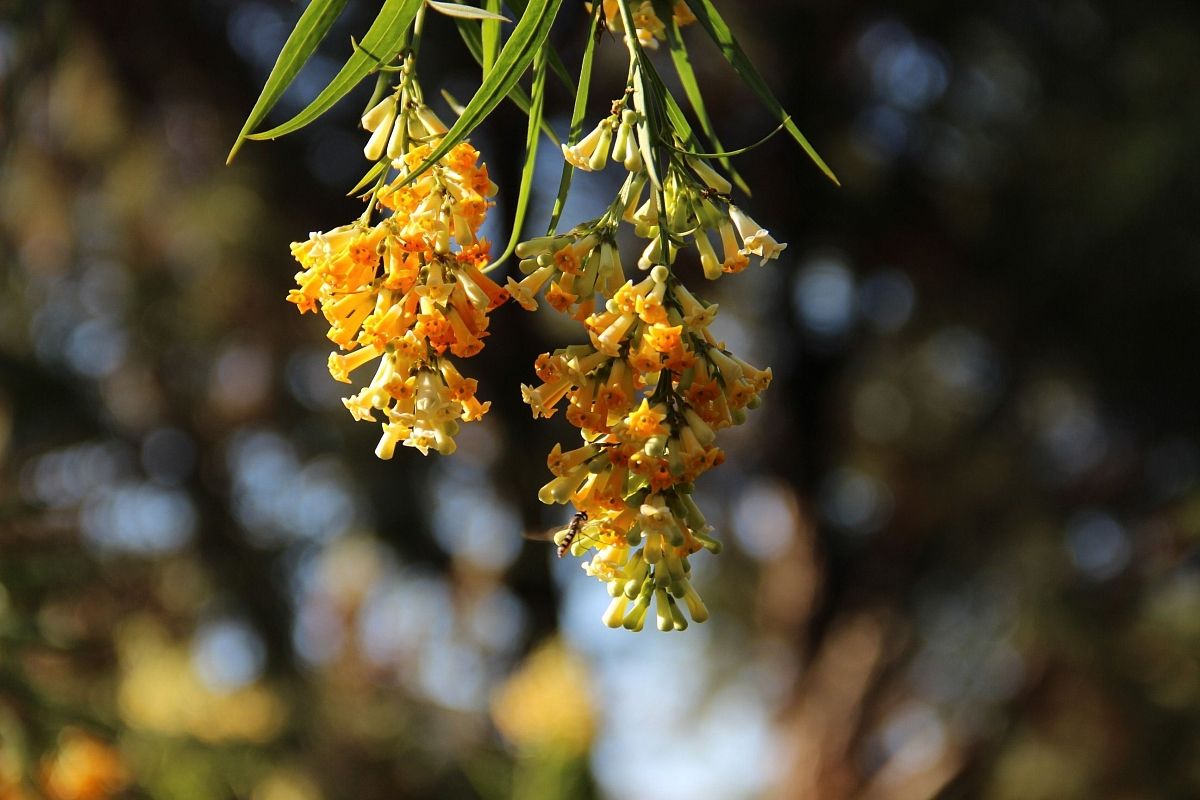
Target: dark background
(961, 531)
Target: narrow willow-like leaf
(381, 86)
(383, 41)
(577, 114)
(679, 121)
(556, 63)
(712, 22)
(309, 32)
(537, 94)
(489, 34)
(465, 12)
(691, 87)
(527, 38)
(473, 39)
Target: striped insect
(562, 537)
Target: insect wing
(557, 534)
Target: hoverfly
(569, 533)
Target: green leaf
(679, 122)
(383, 41)
(465, 11)
(473, 39)
(577, 115)
(310, 30)
(527, 38)
(490, 39)
(648, 124)
(538, 94)
(655, 105)
(556, 63)
(710, 19)
(691, 87)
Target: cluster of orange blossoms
(648, 395)
(408, 290)
(653, 385)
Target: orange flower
(646, 421)
(663, 338)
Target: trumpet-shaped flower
(755, 239)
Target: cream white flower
(755, 239)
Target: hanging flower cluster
(652, 385)
(408, 290)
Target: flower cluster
(408, 290)
(649, 387)
(648, 394)
(652, 386)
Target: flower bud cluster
(408, 290)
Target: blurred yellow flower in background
(544, 705)
(160, 691)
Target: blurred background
(962, 532)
